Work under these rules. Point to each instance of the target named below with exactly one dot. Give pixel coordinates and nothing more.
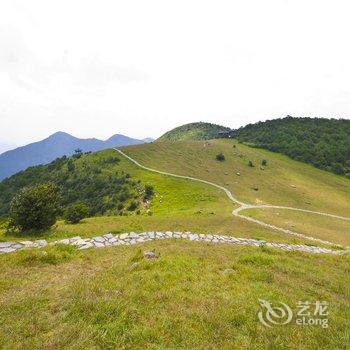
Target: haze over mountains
(56, 145)
(5, 146)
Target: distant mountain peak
(56, 145)
(60, 135)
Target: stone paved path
(245, 206)
(132, 238)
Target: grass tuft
(53, 255)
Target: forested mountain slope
(324, 143)
(94, 179)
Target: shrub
(264, 162)
(75, 212)
(35, 207)
(111, 160)
(132, 206)
(78, 153)
(220, 157)
(250, 163)
(70, 166)
(149, 192)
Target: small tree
(264, 162)
(35, 207)
(70, 166)
(149, 192)
(220, 157)
(75, 212)
(133, 205)
(78, 153)
(250, 163)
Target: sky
(139, 68)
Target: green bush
(75, 212)
(35, 207)
(149, 192)
(133, 205)
(220, 157)
(264, 162)
(250, 163)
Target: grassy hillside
(187, 205)
(324, 143)
(112, 298)
(282, 182)
(177, 205)
(193, 131)
(325, 228)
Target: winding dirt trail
(245, 206)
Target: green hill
(193, 131)
(324, 143)
(96, 181)
(282, 182)
(109, 183)
(112, 297)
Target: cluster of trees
(72, 188)
(37, 208)
(324, 143)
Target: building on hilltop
(227, 134)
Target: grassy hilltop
(193, 131)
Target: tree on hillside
(76, 212)
(35, 207)
(220, 157)
(149, 192)
(78, 153)
(71, 165)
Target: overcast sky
(140, 68)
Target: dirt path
(245, 206)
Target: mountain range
(56, 145)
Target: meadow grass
(325, 228)
(197, 223)
(282, 182)
(112, 298)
